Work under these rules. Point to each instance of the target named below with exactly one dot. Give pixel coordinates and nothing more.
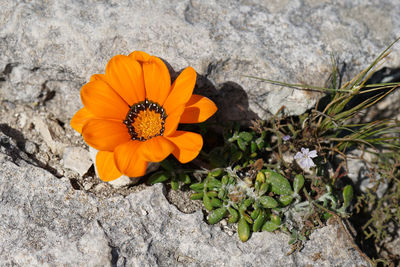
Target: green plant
(335, 128)
(257, 195)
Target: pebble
(31, 147)
(77, 159)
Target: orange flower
(131, 114)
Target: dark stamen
(133, 112)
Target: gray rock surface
(360, 173)
(48, 49)
(45, 222)
(77, 159)
(52, 215)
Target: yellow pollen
(147, 124)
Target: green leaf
(222, 193)
(167, 165)
(184, 178)
(216, 172)
(276, 219)
(216, 215)
(260, 177)
(260, 143)
(302, 237)
(158, 177)
(246, 136)
(280, 185)
(236, 156)
(268, 202)
(224, 179)
(242, 144)
(326, 215)
(292, 240)
(212, 193)
(247, 218)
(174, 185)
(259, 222)
(263, 189)
(216, 203)
(198, 187)
(214, 183)
(247, 202)
(298, 183)
(231, 180)
(243, 230)
(254, 214)
(285, 200)
(234, 215)
(207, 202)
(196, 196)
(347, 196)
(257, 185)
(269, 226)
(253, 148)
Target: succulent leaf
(158, 177)
(217, 215)
(243, 230)
(298, 183)
(268, 202)
(279, 184)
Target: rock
(42, 127)
(49, 49)
(124, 181)
(30, 147)
(360, 174)
(46, 222)
(77, 159)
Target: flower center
(145, 120)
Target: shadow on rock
(385, 75)
(13, 143)
(231, 99)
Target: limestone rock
(49, 49)
(41, 126)
(46, 222)
(360, 174)
(77, 159)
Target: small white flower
(304, 158)
(286, 138)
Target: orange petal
(157, 80)
(172, 121)
(96, 77)
(187, 145)
(156, 149)
(105, 135)
(125, 76)
(80, 118)
(181, 91)
(140, 56)
(106, 166)
(128, 159)
(198, 109)
(102, 101)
